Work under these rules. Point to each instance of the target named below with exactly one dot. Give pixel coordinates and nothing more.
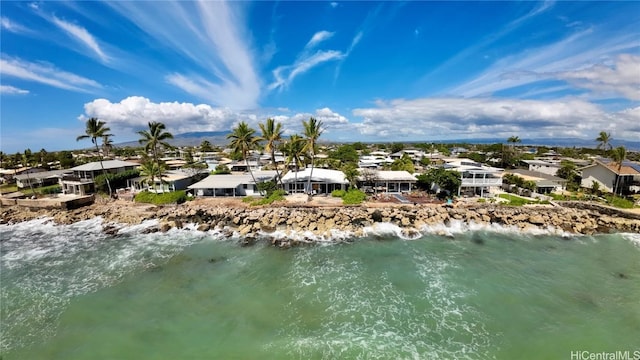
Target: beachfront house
(543, 167)
(323, 181)
(231, 184)
(80, 180)
(606, 173)
(545, 183)
(379, 181)
(172, 180)
(477, 179)
(41, 178)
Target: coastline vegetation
(173, 197)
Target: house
(80, 181)
(544, 167)
(231, 185)
(386, 181)
(374, 160)
(323, 181)
(606, 173)
(476, 178)
(42, 178)
(172, 180)
(545, 183)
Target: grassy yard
(516, 200)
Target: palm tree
(153, 139)
(107, 144)
(618, 155)
(149, 170)
(242, 142)
(312, 131)
(26, 162)
(271, 135)
(294, 149)
(351, 173)
(604, 141)
(96, 129)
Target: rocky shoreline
(283, 224)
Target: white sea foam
(45, 265)
(633, 238)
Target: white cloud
(9, 25)
(133, 113)
(81, 35)
(213, 37)
(319, 37)
(333, 4)
(305, 61)
(46, 74)
(622, 78)
(11, 90)
(456, 118)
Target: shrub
(174, 197)
(277, 195)
(118, 180)
(354, 197)
(619, 202)
(53, 189)
(267, 187)
(338, 193)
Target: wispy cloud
(305, 61)
(215, 40)
(318, 37)
(552, 61)
(11, 90)
(620, 79)
(12, 26)
(46, 74)
(81, 35)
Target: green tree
(272, 136)
(107, 144)
(618, 155)
(150, 170)
(404, 163)
(152, 140)
(205, 146)
(294, 150)
(243, 141)
(446, 179)
(66, 159)
(351, 174)
(345, 154)
(312, 131)
(96, 129)
(396, 147)
(604, 141)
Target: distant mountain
(549, 142)
(216, 138)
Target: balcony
(477, 182)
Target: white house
(172, 180)
(545, 183)
(544, 167)
(231, 185)
(386, 181)
(476, 178)
(42, 178)
(323, 181)
(80, 182)
(606, 173)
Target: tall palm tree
(271, 135)
(152, 139)
(604, 141)
(294, 149)
(312, 131)
(107, 144)
(618, 155)
(96, 129)
(243, 141)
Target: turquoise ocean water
(71, 292)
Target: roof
(319, 175)
(541, 163)
(627, 168)
(43, 174)
(536, 176)
(231, 181)
(107, 164)
(390, 175)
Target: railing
(482, 182)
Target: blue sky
(371, 71)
